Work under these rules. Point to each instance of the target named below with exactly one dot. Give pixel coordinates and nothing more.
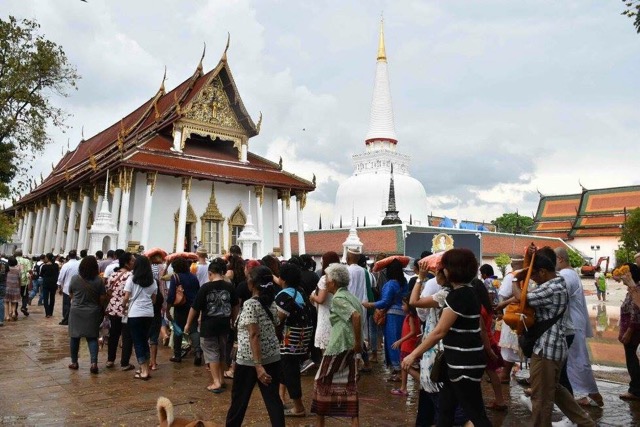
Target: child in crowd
(408, 342)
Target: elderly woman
(459, 330)
(335, 392)
(87, 294)
(258, 357)
(12, 291)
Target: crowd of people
(265, 322)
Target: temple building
(366, 192)
(177, 171)
(591, 221)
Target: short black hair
(99, 254)
(12, 261)
(218, 266)
(425, 253)
(124, 259)
(291, 275)
(119, 252)
(461, 265)
(545, 259)
(110, 253)
(72, 254)
(83, 253)
(180, 265)
(307, 262)
(88, 268)
(487, 270)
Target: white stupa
(367, 190)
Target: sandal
(138, 376)
(73, 366)
(228, 375)
(291, 413)
(629, 396)
(109, 365)
(495, 407)
(399, 392)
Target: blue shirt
(189, 283)
(391, 299)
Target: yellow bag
(519, 316)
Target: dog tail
(165, 411)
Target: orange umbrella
(187, 255)
(432, 262)
(383, 263)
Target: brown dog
(165, 416)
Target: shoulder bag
(527, 341)
(180, 299)
(439, 369)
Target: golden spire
(164, 77)
(204, 51)
(382, 54)
(224, 54)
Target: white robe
(509, 348)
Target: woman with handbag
(183, 289)
(391, 302)
(87, 294)
(139, 296)
(115, 311)
(459, 330)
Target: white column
(148, 202)
(20, 227)
(36, 232)
(124, 219)
(40, 225)
(286, 236)
(84, 218)
(48, 235)
(26, 241)
(243, 153)
(115, 205)
(23, 231)
(260, 219)
(62, 210)
(182, 216)
(301, 199)
(276, 222)
(71, 227)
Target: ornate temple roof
(599, 212)
(381, 125)
(143, 139)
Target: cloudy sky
(494, 100)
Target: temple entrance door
(189, 234)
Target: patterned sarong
(334, 391)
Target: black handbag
(527, 341)
(439, 369)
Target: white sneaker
(306, 365)
(565, 422)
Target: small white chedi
(367, 190)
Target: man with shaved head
(578, 366)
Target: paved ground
(38, 389)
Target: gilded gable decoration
(237, 219)
(212, 106)
(212, 213)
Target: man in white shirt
(578, 365)
(109, 269)
(202, 272)
(68, 270)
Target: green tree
(502, 261)
(623, 256)
(32, 71)
(575, 259)
(7, 228)
(630, 237)
(513, 223)
(632, 10)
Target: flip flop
(629, 396)
(154, 367)
(215, 390)
(227, 375)
(290, 413)
(398, 392)
(140, 377)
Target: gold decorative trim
(237, 218)
(211, 213)
(192, 218)
(302, 197)
(186, 185)
(151, 180)
(259, 189)
(285, 195)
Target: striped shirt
(548, 300)
(463, 348)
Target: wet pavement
(37, 389)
